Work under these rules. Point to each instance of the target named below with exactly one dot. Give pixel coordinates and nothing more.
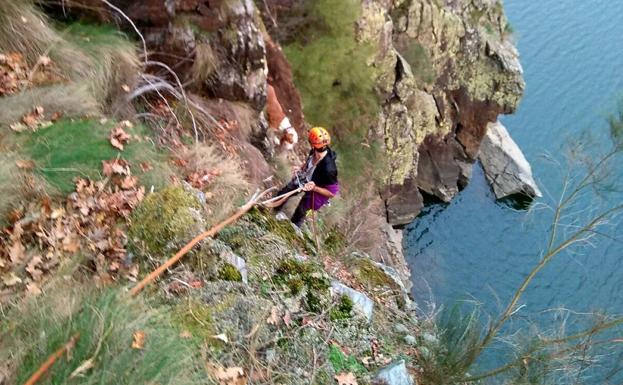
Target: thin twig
(127, 18)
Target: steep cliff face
(445, 70)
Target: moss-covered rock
(164, 220)
(228, 272)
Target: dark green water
(572, 53)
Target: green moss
(342, 363)
(229, 273)
(299, 277)
(343, 309)
(369, 274)
(282, 229)
(163, 218)
(295, 285)
(335, 241)
(196, 318)
(421, 64)
(76, 148)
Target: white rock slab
(506, 168)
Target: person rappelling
(317, 177)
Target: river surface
(475, 248)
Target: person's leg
(301, 211)
(292, 185)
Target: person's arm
(311, 186)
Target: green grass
(343, 363)
(106, 321)
(76, 148)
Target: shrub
(164, 220)
(227, 184)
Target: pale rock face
(361, 302)
(395, 374)
(506, 168)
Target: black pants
(299, 214)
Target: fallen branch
(209, 233)
(52, 359)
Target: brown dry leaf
(18, 127)
(227, 376)
(17, 251)
(274, 316)
(25, 164)
(185, 334)
(33, 267)
(57, 213)
(33, 289)
(145, 166)
(71, 243)
(33, 118)
(116, 143)
(346, 379)
(287, 319)
(11, 279)
(44, 60)
(129, 182)
(56, 116)
(138, 340)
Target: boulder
(361, 302)
(394, 374)
(506, 168)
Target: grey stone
(271, 356)
(361, 302)
(506, 168)
(430, 339)
(395, 374)
(410, 340)
(401, 329)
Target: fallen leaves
(346, 379)
(33, 121)
(93, 219)
(273, 319)
(227, 376)
(138, 340)
(16, 74)
(118, 137)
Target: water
(572, 53)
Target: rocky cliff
(446, 70)
(417, 80)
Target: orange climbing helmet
(319, 137)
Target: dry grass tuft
(16, 186)
(71, 99)
(98, 56)
(229, 184)
(26, 30)
(205, 64)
